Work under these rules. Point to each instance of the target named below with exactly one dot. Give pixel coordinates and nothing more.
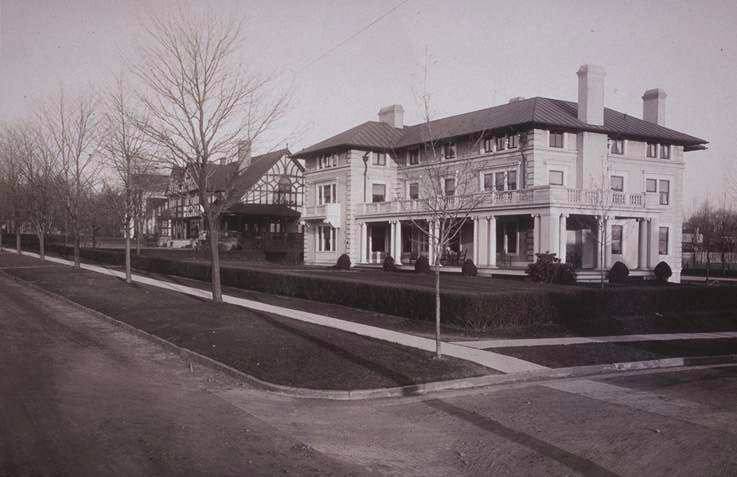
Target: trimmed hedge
(468, 309)
(618, 273)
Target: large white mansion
(541, 161)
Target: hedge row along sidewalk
(271, 348)
(568, 309)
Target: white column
(475, 256)
(392, 236)
(552, 244)
(370, 244)
(608, 242)
(492, 241)
(563, 235)
(641, 244)
(362, 243)
(653, 255)
(536, 234)
(398, 256)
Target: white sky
(481, 54)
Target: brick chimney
(653, 106)
(591, 94)
(392, 115)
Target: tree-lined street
(82, 397)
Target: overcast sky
(481, 54)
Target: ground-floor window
(663, 241)
(616, 240)
(326, 238)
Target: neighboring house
(543, 164)
(271, 189)
(149, 193)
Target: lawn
(270, 347)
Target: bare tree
(72, 129)
(202, 105)
(11, 179)
(124, 149)
(42, 184)
(449, 184)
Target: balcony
(328, 213)
(533, 197)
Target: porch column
(536, 233)
(476, 231)
(370, 243)
(364, 243)
(607, 243)
(492, 240)
(553, 239)
(563, 235)
(600, 241)
(390, 249)
(653, 255)
(641, 244)
(398, 240)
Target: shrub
(548, 269)
(388, 265)
(422, 264)
(344, 262)
(469, 269)
(662, 272)
(618, 273)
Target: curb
(401, 391)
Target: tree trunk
(17, 239)
(41, 246)
(137, 225)
(128, 253)
(438, 353)
(75, 237)
(213, 236)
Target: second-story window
(617, 146)
(488, 144)
(512, 141)
(449, 150)
(617, 183)
(663, 241)
(326, 194)
(652, 149)
(379, 159)
(651, 185)
(378, 192)
(414, 157)
(512, 180)
(665, 151)
(414, 190)
(556, 139)
(449, 186)
(664, 190)
(499, 181)
(500, 143)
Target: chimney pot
(392, 115)
(591, 94)
(653, 106)
(516, 99)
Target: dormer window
(617, 146)
(665, 151)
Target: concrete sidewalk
(572, 340)
(495, 361)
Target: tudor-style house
(271, 187)
(557, 176)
